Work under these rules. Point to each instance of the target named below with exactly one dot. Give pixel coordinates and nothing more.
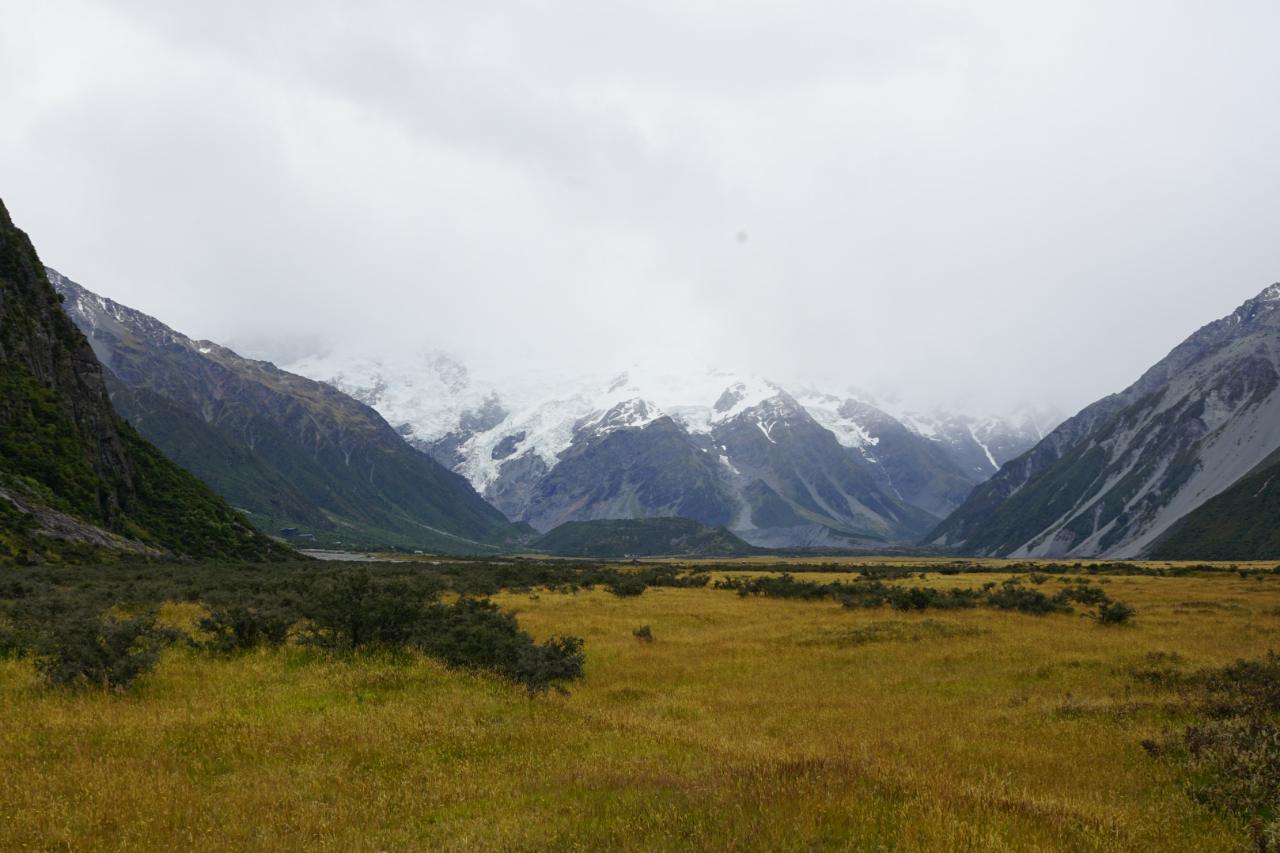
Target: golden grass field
(748, 724)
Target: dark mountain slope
(290, 451)
(794, 475)
(919, 471)
(74, 479)
(228, 466)
(617, 471)
(1242, 523)
(644, 537)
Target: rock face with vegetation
(1242, 523)
(293, 453)
(642, 537)
(1116, 478)
(75, 480)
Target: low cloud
(973, 203)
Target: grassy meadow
(747, 723)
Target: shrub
(546, 666)
(925, 598)
(1232, 759)
(627, 586)
(1084, 595)
(350, 610)
(644, 634)
(81, 648)
(12, 643)
(1236, 768)
(1014, 597)
(1114, 613)
(1010, 595)
(1245, 688)
(240, 627)
(476, 635)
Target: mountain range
(811, 469)
(1137, 473)
(106, 410)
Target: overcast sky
(971, 202)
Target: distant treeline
(1012, 594)
(892, 571)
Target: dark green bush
(1010, 595)
(628, 586)
(1084, 594)
(82, 648)
(1245, 688)
(924, 598)
(12, 644)
(351, 610)
(240, 627)
(476, 635)
(1015, 597)
(546, 666)
(1231, 757)
(1114, 613)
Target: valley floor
(748, 723)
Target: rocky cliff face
(293, 452)
(1114, 479)
(68, 463)
(798, 483)
(619, 472)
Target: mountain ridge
(509, 446)
(294, 452)
(642, 537)
(1113, 479)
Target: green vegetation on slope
(1242, 523)
(66, 460)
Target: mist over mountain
(970, 203)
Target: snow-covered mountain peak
(635, 413)
(741, 396)
(1263, 308)
(509, 434)
(425, 394)
(1270, 294)
(838, 416)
